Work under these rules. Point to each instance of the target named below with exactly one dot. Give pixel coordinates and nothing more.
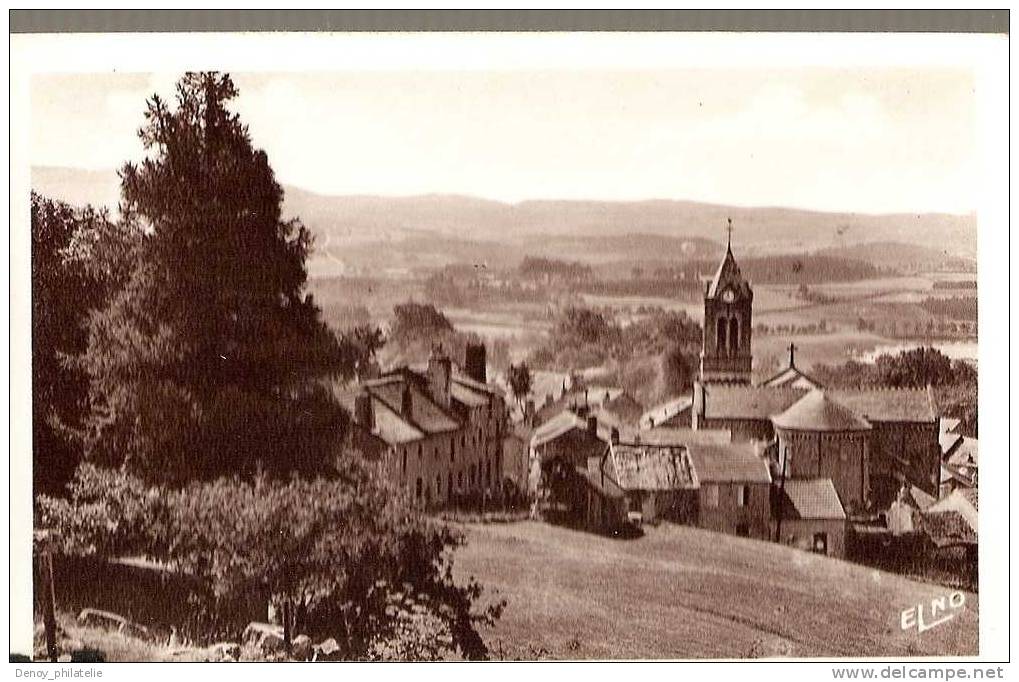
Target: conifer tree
(209, 361)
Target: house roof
(390, 426)
(962, 501)
(794, 377)
(467, 395)
(659, 414)
(424, 414)
(811, 498)
(725, 401)
(889, 405)
(948, 528)
(477, 386)
(682, 436)
(651, 467)
(817, 412)
(728, 462)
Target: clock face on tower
(728, 296)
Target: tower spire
(728, 244)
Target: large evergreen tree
(208, 361)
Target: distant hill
(426, 229)
(899, 255)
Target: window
(452, 449)
(417, 490)
(720, 336)
(711, 496)
(734, 334)
(743, 496)
(438, 486)
(459, 480)
(449, 484)
(405, 461)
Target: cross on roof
(792, 354)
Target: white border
(985, 55)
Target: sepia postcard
(499, 346)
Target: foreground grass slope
(686, 593)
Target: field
(682, 592)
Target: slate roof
(665, 411)
(425, 414)
(728, 462)
(817, 412)
(811, 498)
(889, 405)
(723, 401)
(389, 425)
(651, 467)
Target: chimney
(614, 435)
(440, 368)
(475, 362)
(406, 402)
(592, 425)
(364, 413)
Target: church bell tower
(726, 355)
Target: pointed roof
(816, 412)
(728, 273)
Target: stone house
(809, 516)
(439, 431)
(734, 491)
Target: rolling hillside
(428, 227)
(682, 592)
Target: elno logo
(938, 611)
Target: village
(271, 425)
(873, 475)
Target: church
(868, 443)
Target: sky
(864, 140)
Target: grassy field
(686, 593)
